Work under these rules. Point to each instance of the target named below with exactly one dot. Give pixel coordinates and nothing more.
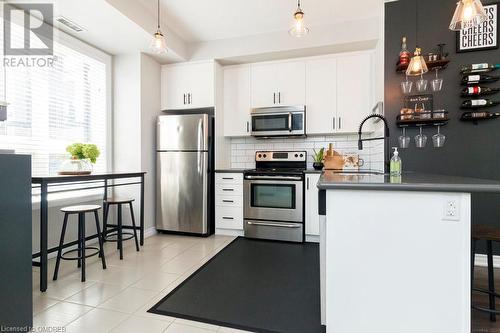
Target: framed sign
(483, 37)
(425, 102)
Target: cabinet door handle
(340, 122)
(189, 99)
(228, 201)
(228, 178)
(279, 97)
(184, 99)
(228, 189)
(333, 123)
(274, 98)
(227, 218)
(308, 183)
(248, 127)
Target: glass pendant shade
(469, 13)
(158, 44)
(417, 64)
(298, 29)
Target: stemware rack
(420, 119)
(431, 65)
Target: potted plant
(83, 155)
(318, 157)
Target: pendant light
(158, 44)
(469, 13)
(417, 64)
(298, 29)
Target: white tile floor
(117, 299)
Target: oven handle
(290, 122)
(273, 177)
(280, 225)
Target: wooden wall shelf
(431, 65)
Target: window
(53, 107)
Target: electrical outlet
(451, 210)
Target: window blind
(53, 107)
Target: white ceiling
(199, 21)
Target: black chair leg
(61, 243)
(100, 238)
(133, 224)
(120, 239)
(491, 279)
(105, 221)
(81, 221)
(79, 261)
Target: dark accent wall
(16, 306)
(470, 150)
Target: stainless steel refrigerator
(185, 174)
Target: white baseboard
(228, 232)
(150, 232)
(482, 261)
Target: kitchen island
(395, 251)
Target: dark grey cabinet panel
(16, 304)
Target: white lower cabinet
(229, 203)
(312, 216)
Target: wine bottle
(404, 55)
(478, 103)
(479, 78)
(479, 115)
(479, 91)
(479, 68)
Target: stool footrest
(115, 234)
(483, 309)
(63, 255)
(486, 291)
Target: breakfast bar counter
(402, 245)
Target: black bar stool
(117, 236)
(490, 235)
(81, 211)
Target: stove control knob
(265, 155)
(301, 155)
(296, 155)
(260, 155)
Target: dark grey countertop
(229, 170)
(409, 181)
(313, 171)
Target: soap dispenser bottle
(396, 164)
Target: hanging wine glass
(422, 84)
(404, 140)
(437, 83)
(406, 86)
(420, 139)
(438, 139)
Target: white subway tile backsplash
(243, 149)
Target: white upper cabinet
(355, 82)
(188, 86)
(237, 101)
(278, 84)
(321, 96)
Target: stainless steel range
(273, 196)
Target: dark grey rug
(254, 285)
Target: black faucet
(385, 138)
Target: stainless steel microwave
(279, 121)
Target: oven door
(273, 198)
(266, 124)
